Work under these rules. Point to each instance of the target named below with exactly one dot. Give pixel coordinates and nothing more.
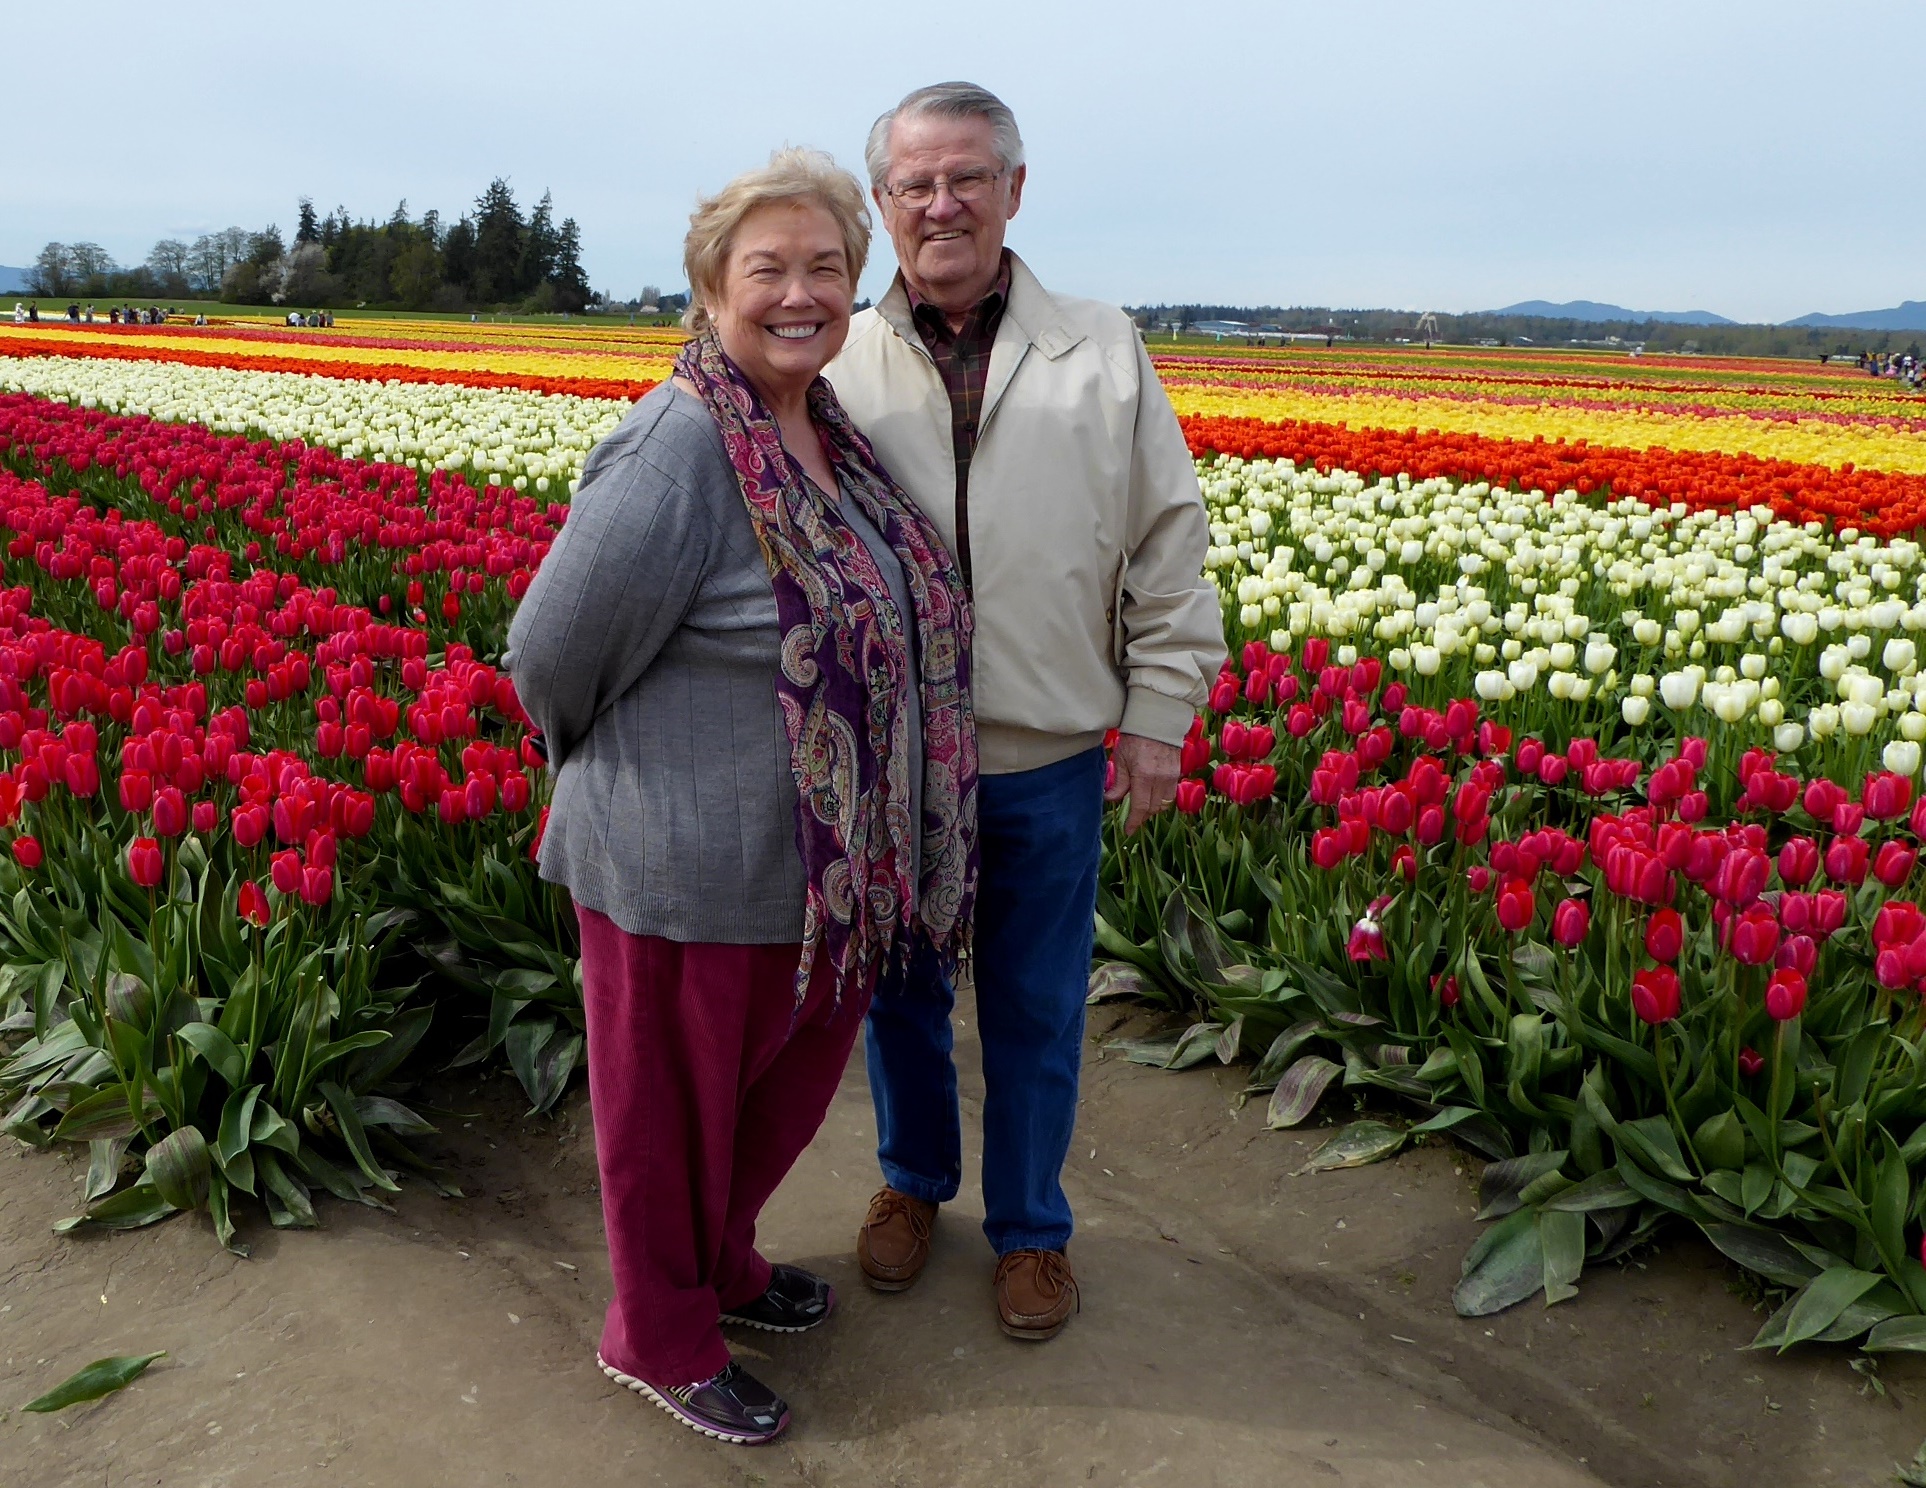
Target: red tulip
(250, 824)
(1655, 994)
(1847, 860)
(1664, 935)
(1829, 911)
(1889, 968)
(1893, 864)
(1404, 863)
(253, 904)
(317, 884)
(27, 852)
(144, 861)
(83, 774)
(1750, 1062)
(1754, 936)
(1515, 904)
(1367, 942)
(1798, 861)
(1799, 953)
(284, 868)
(1785, 995)
(1571, 922)
(170, 813)
(1190, 795)
(1886, 795)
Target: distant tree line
(1537, 330)
(492, 256)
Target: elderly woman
(748, 655)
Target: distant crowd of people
(312, 318)
(1902, 366)
(28, 313)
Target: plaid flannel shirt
(962, 360)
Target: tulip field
(1561, 794)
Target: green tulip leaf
(1299, 1089)
(98, 1379)
(1355, 1146)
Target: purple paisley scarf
(843, 688)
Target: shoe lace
(889, 1204)
(1053, 1275)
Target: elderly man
(1034, 433)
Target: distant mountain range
(1592, 310)
(1908, 315)
(12, 281)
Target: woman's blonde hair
(792, 175)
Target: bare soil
(1241, 1325)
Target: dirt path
(1242, 1326)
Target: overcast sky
(1760, 159)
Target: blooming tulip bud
(170, 813)
(1571, 921)
(206, 817)
(1847, 860)
(1785, 995)
(1799, 953)
(253, 904)
(27, 852)
(1190, 795)
(144, 862)
(284, 868)
(1750, 1062)
(1655, 994)
(1664, 935)
(1894, 864)
(1798, 861)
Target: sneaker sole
(674, 1408)
(736, 1320)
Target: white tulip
(1899, 657)
(1679, 690)
(1858, 718)
(1635, 710)
(1772, 712)
(1901, 756)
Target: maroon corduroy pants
(706, 1081)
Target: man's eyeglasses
(964, 186)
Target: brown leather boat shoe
(1035, 1293)
(894, 1241)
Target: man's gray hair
(946, 101)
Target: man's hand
(1147, 773)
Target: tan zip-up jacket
(1087, 529)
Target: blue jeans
(1041, 837)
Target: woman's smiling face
(786, 297)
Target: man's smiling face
(949, 250)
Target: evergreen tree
(539, 245)
(458, 255)
(499, 230)
(307, 230)
(571, 284)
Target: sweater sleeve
(1172, 620)
(620, 578)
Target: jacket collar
(1031, 317)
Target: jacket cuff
(1152, 715)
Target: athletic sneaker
(734, 1406)
(795, 1302)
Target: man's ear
(1017, 179)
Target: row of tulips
(1645, 991)
(262, 799)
